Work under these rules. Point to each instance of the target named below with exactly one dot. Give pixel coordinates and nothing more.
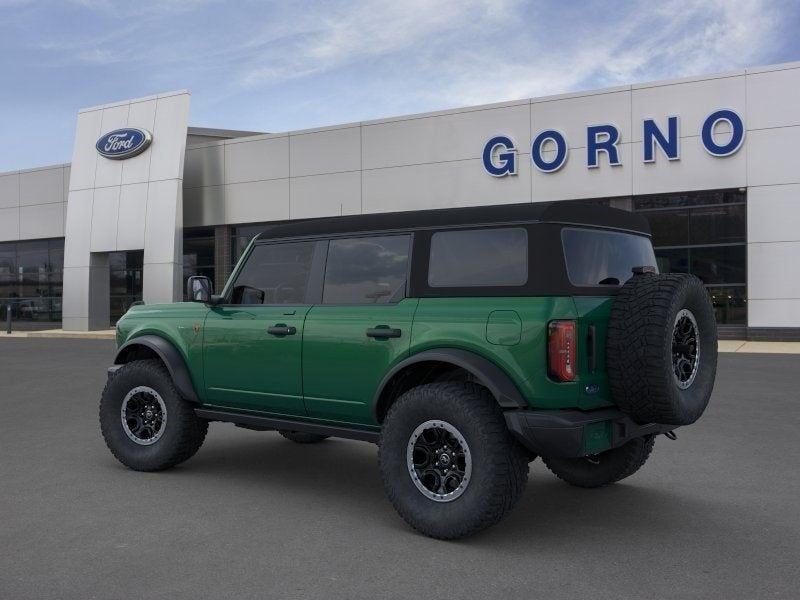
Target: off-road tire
(499, 463)
(639, 348)
(183, 433)
(605, 468)
(301, 437)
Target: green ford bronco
(464, 342)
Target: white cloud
(472, 52)
(679, 39)
(408, 55)
(325, 40)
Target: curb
(105, 334)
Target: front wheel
(145, 422)
(605, 468)
(448, 463)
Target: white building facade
(711, 161)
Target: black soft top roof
(565, 212)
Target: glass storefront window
(669, 227)
(687, 199)
(719, 264)
(241, 236)
(730, 304)
(672, 260)
(198, 253)
(31, 282)
(705, 234)
(724, 224)
(125, 281)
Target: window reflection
(125, 281)
(366, 270)
(705, 234)
(31, 282)
(199, 255)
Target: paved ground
(713, 515)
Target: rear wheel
(605, 468)
(145, 422)
(448, 463)
(302, 437)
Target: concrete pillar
(121, 205)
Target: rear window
(479, 257)
(596, 257)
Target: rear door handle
(383, 332)
(281, 329)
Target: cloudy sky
(275, 66)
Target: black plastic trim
(265, 423)
(489, 374)
(560, 433)
(170, 356)
(591, 348)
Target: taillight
(561, 350)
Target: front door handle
(281, 329)
(383, 332)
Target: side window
(367, 270)
(275, 274)
(479, 258)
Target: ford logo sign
(123, 143)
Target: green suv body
(466, 342)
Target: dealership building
(712, 162)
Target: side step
(266, 423)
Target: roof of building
(566, 212)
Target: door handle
(383, 332)
(281, 329)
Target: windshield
(596, 257)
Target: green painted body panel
(342, 367)
(462, 323)
(248, 368)
(180, 323)
(593, 310)
(504, 328)
(597, 437)
(330, 370)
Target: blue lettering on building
(602, 138)
(737, 132)
(500, 152)
(669, 144)
(506, 162)
(537, 156)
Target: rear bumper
(573, 433)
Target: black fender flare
(489, 374)
(170, 356)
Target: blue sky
(276, 66)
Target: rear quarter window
(490, 257)
(595, 257)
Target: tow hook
(671, 435)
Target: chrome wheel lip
(695, 360)
(440, 424)
(143, 389)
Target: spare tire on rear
(661, 350)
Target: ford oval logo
(123, 143)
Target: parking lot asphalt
(715, 514)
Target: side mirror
(199, 288)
